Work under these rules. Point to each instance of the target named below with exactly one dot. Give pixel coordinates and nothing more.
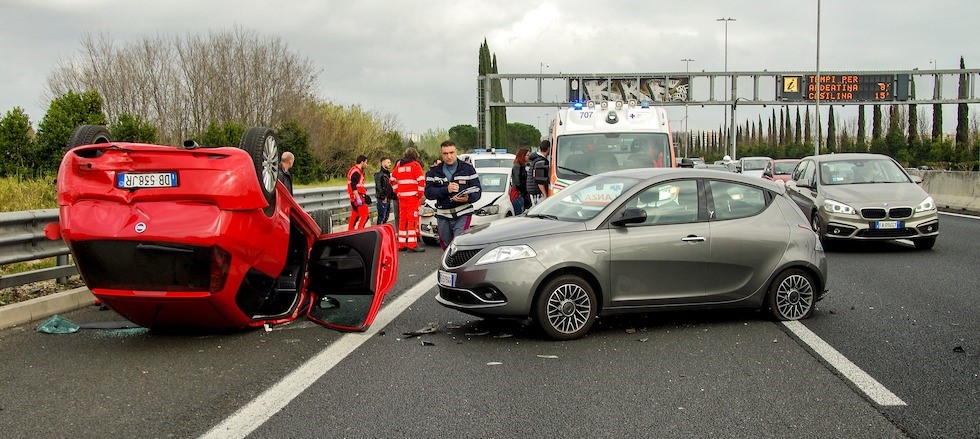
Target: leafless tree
(183, 84)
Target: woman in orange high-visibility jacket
(408, 182)
(359, 200)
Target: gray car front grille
(459, 257)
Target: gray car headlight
(926, 205)
(837, 208)
(507, 253)
(492, 209)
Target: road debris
(431, 328)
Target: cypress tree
(937, 121)
(797, 139)
(831, 131)
(963, 118)
(807, 133)
(895, 139)
(876, 123)
(788, 129)
(862, 141)
(498, 116)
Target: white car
(753, 166)
(493, 204)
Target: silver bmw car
(863, 197)
(639, 240)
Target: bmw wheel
(792, 295)
(817, 225)
(260, 143)
(566, 308)
(88, 135)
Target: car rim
(816, 224)
(269, 151)
(794, 297)
(569, 308)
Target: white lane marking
(960, 215)
(870, 386)
(249, 417)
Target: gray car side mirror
(632, 215)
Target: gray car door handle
(693, 238)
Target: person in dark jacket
(454, 185)
(284, 176)
(383, 191)
(518, 179)
(539, 173)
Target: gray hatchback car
(863, 197)
(639, 240)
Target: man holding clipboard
(454, 185)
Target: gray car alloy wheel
(567, 308)
(792, 296)
(270, 162)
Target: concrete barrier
(952, 190)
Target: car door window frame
(700, 202)
(715, 208)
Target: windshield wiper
(542, 215)
(575, 171)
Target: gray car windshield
(861, 171)
(584, 199)
(754, 165)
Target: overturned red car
(195, 237)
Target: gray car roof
(653, 173)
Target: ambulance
(591, 137)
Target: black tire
(88, 135)
(566, 308)
(430, 241)
(924, 243)
(322, 218)
(817, 225)
(261, 144)
(792, 295)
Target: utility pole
(727, 90)
(819, 130)
(687, 134)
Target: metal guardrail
(22, 234)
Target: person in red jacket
(408, 182)
(359, 199)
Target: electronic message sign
(623, 89)
(843, 88)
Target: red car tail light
(220, 263)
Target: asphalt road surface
(907, 319)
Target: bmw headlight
(426, 211)
(835, 207)
(507, 253)
(492, 209)
(926, 205)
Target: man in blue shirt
(454, 185)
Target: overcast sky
(417, 60)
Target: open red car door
(349, 273)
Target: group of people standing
(452, 183)
(529, 177)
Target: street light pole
(725, 119)
(819, 130)
(687, 134)
(541, 70)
